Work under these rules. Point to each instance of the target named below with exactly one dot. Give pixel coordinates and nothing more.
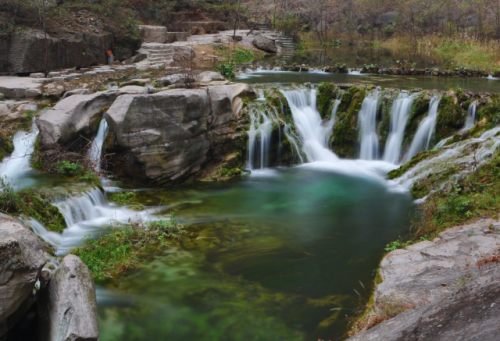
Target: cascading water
(261, 126)
(368, 126)
(14, 167)
(95, 151)
(400, 113)
(471, 116)
(425, 131)
(313, 132)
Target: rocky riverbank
(449, 288)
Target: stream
(285, 253)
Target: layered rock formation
(173, 135)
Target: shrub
(68, 168)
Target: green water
(265, 258)
(385, 81)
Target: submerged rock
(67, 307)
(21, 261)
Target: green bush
(227, 70)
(68, 168)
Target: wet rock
(265, 44)
(67, 308)
(21, 261)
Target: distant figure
(111, 58)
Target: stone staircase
(284, 43)
(159, 55)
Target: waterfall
(313, 132)
(425, 131)
(261, 126)
(367, 119)
(95, 151)
(471, 116)
(77, 209)
(17, 164)
(400, 113)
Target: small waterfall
(261, 94)
(77, 209)
(425, 131)
(400, 113)
(261, 126)
(313, 132)
(367, 119)
(16, 165)
(95, 151)
(471, 116)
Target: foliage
(123, 249)
(324, 99)
(33, 203)
(123, 198)
(67, 168)
(399, 244)
(227, 70)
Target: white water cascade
(400, 112)
(95, 151)
(14, 167)
(422, 139)
(261, 126)
(368, 126)
(471, 116)
(313, 132)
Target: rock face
(170, 136)
(21, 261)
(67, 306)
(470, 313)
(18, 88)
(77, 115)
(265, 44)
(153, 34)
(25, 51)
(432, 275)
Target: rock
(37, 75)
(471, 312)
(19, 87)
(77, 92)
(138, 81)
(265, 44)
(136, 59)
(134, 89)
(209, 76)
(4, 110)
(429, 274)
(67, 308)
(171, 136)
(171, 79)
(183, 53)
(71, 117)
(153, 34)
(26, 50)
(21, 261)
(54, 74)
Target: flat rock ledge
(454, 281)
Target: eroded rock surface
(67, 307)
(456, 296)
(170, 136)
(21, 261)
(265, 44)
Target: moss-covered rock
(345, 130)
(396, 173)
(325, 96)
(451, 116)
(419, 110)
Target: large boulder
(153, 34)
(173, 135)
(67, 306)
(183, 53)
(265, 44)
(165, 133)
(21, 261)
(209, 76)
(77, 115)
